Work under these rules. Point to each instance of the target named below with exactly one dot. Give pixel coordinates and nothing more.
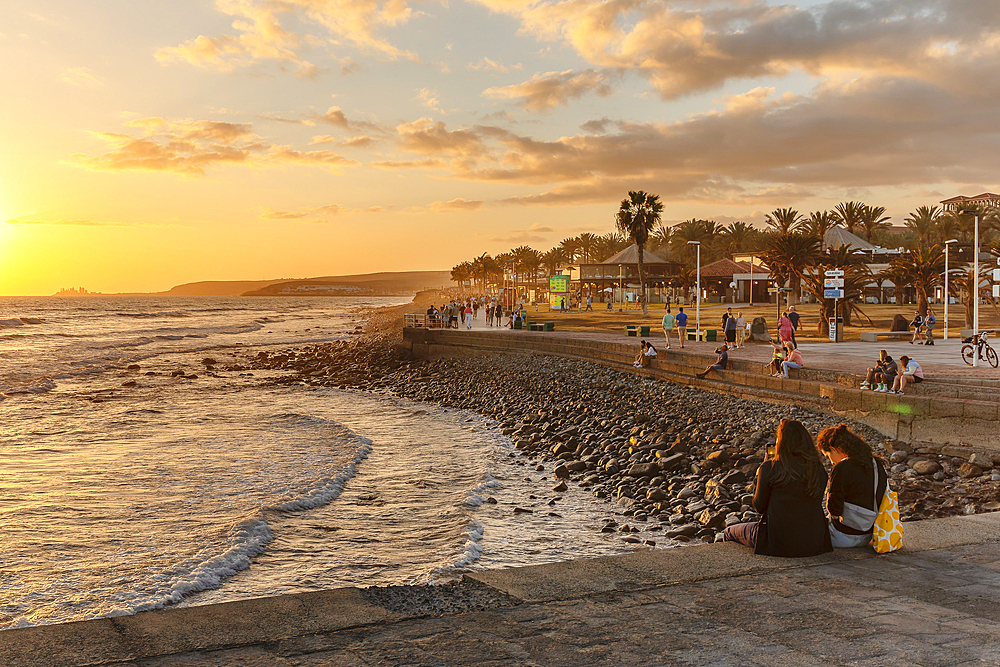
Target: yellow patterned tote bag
(887, 533)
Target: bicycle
(983, 348)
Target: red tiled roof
(724, 268)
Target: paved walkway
(931, 604)
(941, 360)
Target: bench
(549, 326)
(872, 336)
(967, 333)
(632, 330)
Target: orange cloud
(189, 147)
(549, 90)
(260, 35)
(457, 205)
(309, 214)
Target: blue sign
(833, 294)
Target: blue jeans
(789, 364)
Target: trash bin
(711, 335)
(836, 329)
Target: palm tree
(788, 256)
(609, 245)
(921, 268)
(856, 276)
(481, 268)
(689, 230)
(872, 220)
(462, 272)
(783, 220)
(923, 223)
(660, 237)
(532, 263)
(849, 213)
(819, 223)
(553, 259)
(739, 237)
(963, 283)
(637, 215)
(586, 243)
(570, 248)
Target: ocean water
(179, 491)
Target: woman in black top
(788, 495)
(854, 494)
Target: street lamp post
(947, 245)
(697, 303)
(974, 288)
(621, 290)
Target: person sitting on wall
(720, 364)
(912, 373)
(777, 358)
(646, 354)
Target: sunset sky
(147, 144)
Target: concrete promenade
(932, 603)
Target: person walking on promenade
(720, 364)
(793, 317)
(682, 324)
(857, 484)
(468, 316)
(788, 494)
(590, 302)
(794, 360)
(929, 322)
(730, 329)
(916, 323)
(668, 325)
(912, 373)
(785, 331)
(741, 329)
(475, 308)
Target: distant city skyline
(147, 145)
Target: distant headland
(386, 283)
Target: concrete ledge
(168, 632)
(171, 631)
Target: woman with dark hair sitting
(857, 483)
(788, 495)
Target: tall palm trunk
(642, 283)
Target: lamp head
(951, 241)
(694, 242)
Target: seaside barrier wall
(936, 417)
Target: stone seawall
(934, 417)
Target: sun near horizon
(149, 146)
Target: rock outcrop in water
(680, 456)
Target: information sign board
(834, 273)
(833, 294)
(558, 283)
(833, 282)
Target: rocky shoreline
(680, 456)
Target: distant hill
(364, 284)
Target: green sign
(558, 283)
